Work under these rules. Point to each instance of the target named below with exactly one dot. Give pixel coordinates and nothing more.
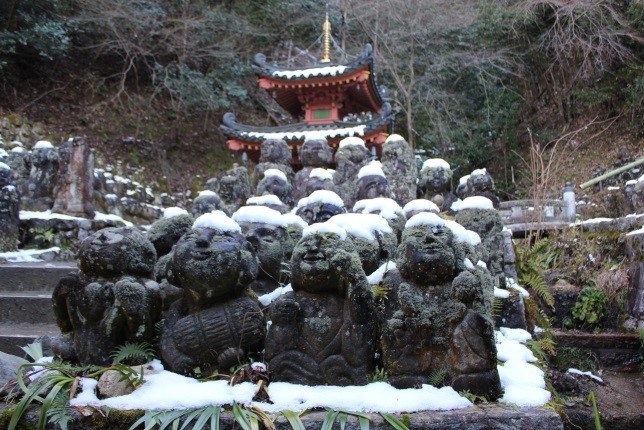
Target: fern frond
(437, 376)
(142, 351)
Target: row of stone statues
(433, 316)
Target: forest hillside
(536, 91)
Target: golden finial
(327, 40)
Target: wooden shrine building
(327, 100)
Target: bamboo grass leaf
(343, 420)
(330, 419)
(395, 422)
(294, 420)
(364, 422)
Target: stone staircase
(26, 311)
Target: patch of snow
(43, 144)
(265, 200)
(269, 298)
(589, 374)
(323, 197)
(420, 205)
(425, 218)
(26, 255)
(387, 208)
(292, 219)
(394, 137)
(98, 216)
(298, 135)
(468, 263)
(463, 179)
(207, 193)
(517, 334)
(18, 149)
(376, 277)
(361, 225)
(351, 140)
(217, 220)
(372, 169)
(638, 231)
(473, 202)
(435, 163)
(481, 264)
(307, 73)
(47, 215)
(3, 153)
(479, 172)
(173, 212)
(4, 166)
(275, 173)
(500, 293)
(462, 234)
(325, 227)
(511, 349)
(321, 173)
(510, 282)
(259, 214)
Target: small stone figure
(274, 182)
(480, 183)
(314, 154)
(274, 154)
(206, 201)
(436, 317)
(16, 159)
(319, 206)
(75, 183)
(435, 183)
(43, 161)
(372, 236)
(265, 230)
(234, 189)
(400, 168)
(372, 183)
(319, 179)
(325, 330)
(217, 323)
(112, 300)
(351, 156)
(268, 200)
(461, 190)
(9, 210)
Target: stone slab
(490, 416)
(29, 277)
(26, 308)
(621, 350)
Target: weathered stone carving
(39, 188)
(9, 210)
(314, 154)
(319, 206)
(234, 189)
(217, 323)
(74, 187)
(372, 183)
(206, 201)
(435, 183)
(274, 154)
(437, 315)
(400, 168)
(265, 230)
(112, 300)
(275, 183)
(386, 208)
(324, 331)
(480, 183)
(351, 156)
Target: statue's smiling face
(208, 262)
(268, 243)
(428, 255)
(372, 186)
(311, 268)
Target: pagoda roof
(299, 132)
(283, 81)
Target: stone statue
(234, 189)
(462, 190)
(436, 317)
(325, 330)
(43, 161)
(266, 230)
(275, 183)
(400, 168)
(435, 183)
(217, 323)
(112, 300)
(414, 207)
(372, 183)
(319, 179)
(314, 154)
(75, 183)
(351, 156)
(274, 154)
(480, 183)
(206, 201)
(9, 210)
(319, 206)
(372, 236)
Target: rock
(399, 166)
(565, 296)
(9, 365)
(113, 383)
(75, 184)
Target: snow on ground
(523, 383)
(26, 255)
(589, 374)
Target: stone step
(619, 351)
(26, 308)
(13, 336)
(27, 277)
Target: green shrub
(589, 309)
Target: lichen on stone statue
(9, 210)
(112, 300)
(400, 168)
(436, 316)
(314, 154)
(325, 330)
